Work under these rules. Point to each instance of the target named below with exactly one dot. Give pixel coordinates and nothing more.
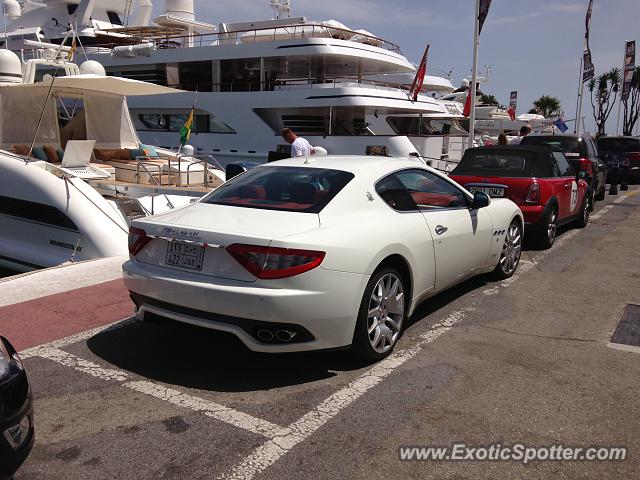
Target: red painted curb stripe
(57, 316)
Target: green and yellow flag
(185, 132)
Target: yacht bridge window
(203, 122)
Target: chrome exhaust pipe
(285, 335)
(265, 335)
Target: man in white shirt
(300, 147)
(524, 131)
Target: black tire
(511, 250)
(601, 193)
(362, 342)
(546, 236)
(585, 213)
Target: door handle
(440, 229)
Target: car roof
(564, 135)
(356, 164)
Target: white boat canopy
(99, 83)
(96, 109)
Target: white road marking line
(76, 338)
(215, 410)
(618, 200)
(624, 348)
(211, 409)
(269, 453)
(85, 366)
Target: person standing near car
(524, 131)
(300, 147)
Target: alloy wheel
(385, 313)
(511, 250)
(552, 226)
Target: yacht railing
(138, 36)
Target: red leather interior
(433, 199)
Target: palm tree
(632, 104)
(605, 90)
(547, 106)
(488, 100)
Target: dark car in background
(536, 178)
(621, 152)
(582, 153)
(16, 411)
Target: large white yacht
(344, 89)
(72, 170)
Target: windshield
(570, 146)
(485, 164)
(295, 189)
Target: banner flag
(629, 67)
(484, 11)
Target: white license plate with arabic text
(185, 255)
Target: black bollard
(624, 177)
(613, 189)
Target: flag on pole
(561, 125)
(185, 132)
(418, 81)
(484, 11)
(629, 67)
(588, 70)
(467, 105)
(513, 105)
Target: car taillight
(534, 194)
(585, 166)
(634, 157)
(137, 240)
(272, 262)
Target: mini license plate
(185, 255)
(494, 192)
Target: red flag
(418, 81)
(512, 112)
(467, 105)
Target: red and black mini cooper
(539, 180)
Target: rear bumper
(322, 303)
(534, 216)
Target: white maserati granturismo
(319, 253)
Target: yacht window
(114, 18)
(149, 73)
(241, 75)
(196, 76)
(174, 122)
(35, 212)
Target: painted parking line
(269, 453)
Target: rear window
(295, 189)
(570, 146)
(493, 165)
(619, 144)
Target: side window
(395, 194)
(431, 191)
(563, 166)
(591, 152)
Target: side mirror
(480, 200)
(582, 175)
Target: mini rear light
(137, 240)
(634, 157)
(272, 262)
(585, 166)
(534, 194)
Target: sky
(532, 46)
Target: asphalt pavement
(526, 360)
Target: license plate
(495, 192)
(185, 255)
